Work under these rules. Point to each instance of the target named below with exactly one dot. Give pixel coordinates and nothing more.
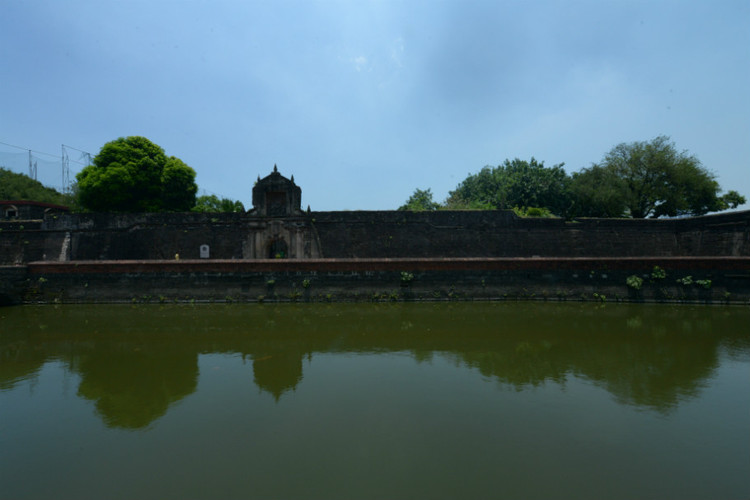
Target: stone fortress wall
(277, 233)
(365, 234)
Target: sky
(365, 101)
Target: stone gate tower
(276, 196)
(279, 229)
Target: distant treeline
(640, 179)
(14, 186)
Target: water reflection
(135, 362)
(132, 385)
(277, 371)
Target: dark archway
(278, 249)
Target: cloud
(397, 51)
(360, 63)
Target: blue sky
(364, 101)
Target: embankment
(657, 279)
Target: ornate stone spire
(276, 196)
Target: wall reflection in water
(135, 362)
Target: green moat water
(444, 400)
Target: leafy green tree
(132, 174)
(516, 183)
(597, 192)
(731, 199)
(212, 203)
(653, 179)
(15, 186)
(421, 200)
(478, 191)
(178, 186)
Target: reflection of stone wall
(136, 362)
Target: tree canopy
(639, 179)
(651, 179)
(132, 174)
(15, 186)
(597, 192)
(212, 203)
(420, 201)
(516, 183)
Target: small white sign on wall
(205, 253)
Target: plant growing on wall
(406, 278)
(532, 212)
(703, 283)
(658, 273)
(634, 282)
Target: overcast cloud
(365, 101)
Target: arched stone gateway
(278, 249)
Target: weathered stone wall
(502, 234)
(360, 234)
(13, 284)
(154, 236)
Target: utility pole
(32, 166)
(65, 170)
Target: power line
(29, 150)
(76, 149)
(64, 159)
(88, 155)
(84, 155)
